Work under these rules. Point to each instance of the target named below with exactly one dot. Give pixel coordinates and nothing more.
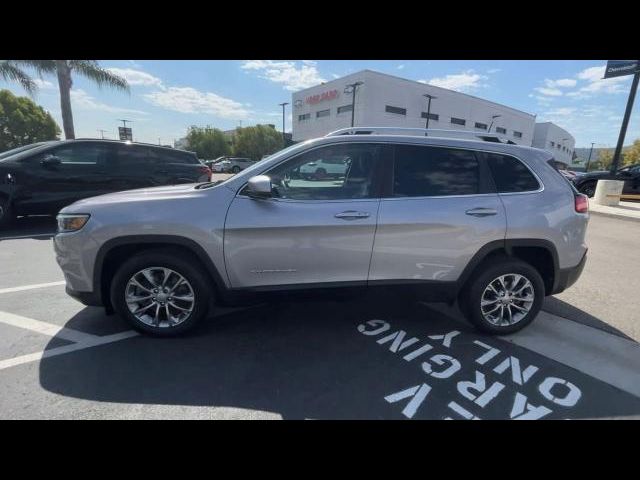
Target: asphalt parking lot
(345, 358)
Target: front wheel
(161, 293)
(504, 297)
(6, 215)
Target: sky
(168, 96)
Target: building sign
(618, 68)
(125, 133)
(321, 97)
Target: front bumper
(90, 299)
(568, 276)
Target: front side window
(421, 171)
(510, 174)
(87, 154)
(333, 172)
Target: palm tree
(11, 70)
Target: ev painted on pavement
(490, 224)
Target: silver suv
(491, 225)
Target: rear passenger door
(136, 169)
(438, 210)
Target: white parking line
(28, 236)
(45, 328)
(32, 357)
(82, 340)
(29, 287)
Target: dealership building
(384, 100)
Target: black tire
(235, 169)
(588, 188)
(176, 261)
(6, 213)
(471, 296)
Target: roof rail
(487, 137)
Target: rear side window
(432, 171)
(176, 157)
(131, 158)
(510, 174)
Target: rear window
(510, 174)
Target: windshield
(13, 151)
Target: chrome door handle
(482, 212)
(351, 215)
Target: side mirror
(50, 161)
(259, 186)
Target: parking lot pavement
(357, 357)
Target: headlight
(71, 222)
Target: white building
(387, 101)
(549, 136)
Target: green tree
(632, 154)
(23, 122)
(255, 142)
(62, 69)
(605, 158)
(208, 143)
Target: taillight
(582, 203)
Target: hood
(173, 192)
(597, 173)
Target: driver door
(309, 232)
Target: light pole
(102, 133)
(589, 159)
(430, 97)
(351, 88)
(492, 119)
(284, 139)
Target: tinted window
(345, 108)
(81, 153)
(510, 174)
(323, 113)
(432, 116)
(131, 158)
(175, 157)
(458, 121)
(431, 171)
(329, 173)
(501, 130)
(482, 126)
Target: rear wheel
(235, 169)
(503, 297)
(160, 293)
(588, 188)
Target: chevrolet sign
(618, 68)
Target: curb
(615, 215)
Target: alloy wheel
(159, 297)
(507, 299)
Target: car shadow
(299, 359)
(41, 227)
(566, 310)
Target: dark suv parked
(48, 177)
